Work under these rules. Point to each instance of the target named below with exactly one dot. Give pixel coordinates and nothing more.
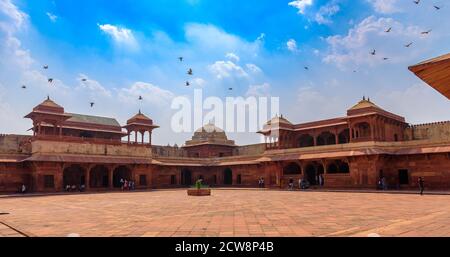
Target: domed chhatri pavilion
(209, 141)
(352, 151)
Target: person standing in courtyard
(291, 184)
(421, 182)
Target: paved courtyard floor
(227, 213)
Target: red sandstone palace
(352, 151)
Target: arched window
(326, 138)
(292, 169)
(332, 168)
(344, 136)
(362, 130)
(305, 140)
(344, 168)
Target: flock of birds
(374, 51)
(190, 72)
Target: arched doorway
(292, 169)
(186, 177)
(332, 168)
(305, 141)
(98, 177)
(344, 168)
(310, 173)
(228, 176)
(362, 130)
(74, 175)
(121, 172)
(326, 138)
(344, 136)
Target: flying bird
(231, 89)
(141, 98)
(436, 7)
(50, 80)
(92, 104)
(84, 79)
(388, 30)
(374, 52)
(385, 58)
(416, 1)
(426, 32)
(190, 72)
(306, 68)
(187, 83)
(180, 58)
(24, 87)
(45, 67)
(408, 45)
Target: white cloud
(301, 5)
(385, 6)
(253, 68)
(227, 69)
(424, 99)
(93, 87)
(261, 37)
(292, 45)
(52, 17)
(233, 57)
(209, 39)
(199, 82)
(13, 15)
(323, 16)
(149, 92)
(355, 47)
(119, 34)
(258, 90)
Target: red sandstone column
(110, 177)
(88, 178)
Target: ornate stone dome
(209, 134)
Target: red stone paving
(228, 213)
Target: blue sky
(259, 47)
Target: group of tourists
(383, 185)
(261, 183)
(75, 188)
(126, 185)
(305, 184)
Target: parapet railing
(72, 139)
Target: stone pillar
(88, 178)
(142, 134)
(135, 137)
(58, 179)
(110, 177)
